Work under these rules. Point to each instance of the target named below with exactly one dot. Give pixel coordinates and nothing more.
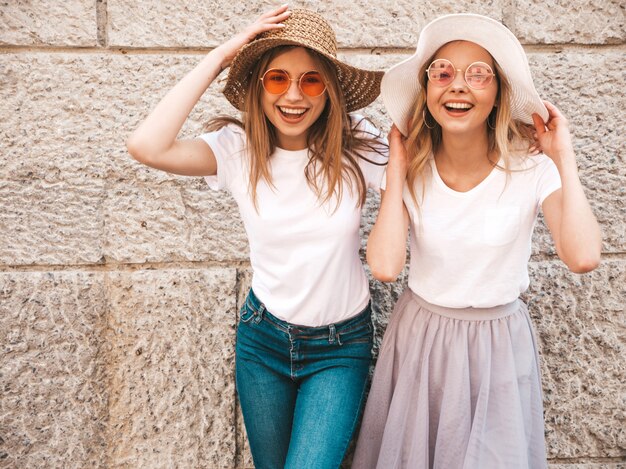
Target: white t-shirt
(471, 249)
(304, 256)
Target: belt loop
(332, 334)
(259, 314)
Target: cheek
(267, 104)
(431, 99)
(322, 104)
(318, 106)
(492, 94)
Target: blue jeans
(300, 388)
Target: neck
(464, 151)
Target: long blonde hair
(334, 147)
(508, 137)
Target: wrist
(212, 63)
(219, 56)
(564, 158)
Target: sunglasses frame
(456, 70)
(299, 80)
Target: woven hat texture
(307, 29)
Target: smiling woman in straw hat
(298, 167)
(457, 383)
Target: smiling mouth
(458, 108)
(291, 114)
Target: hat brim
(359, 87)
(400, 85)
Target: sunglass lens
(478, 75)
(276, 81)
(441, 72)
(311, 84)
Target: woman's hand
(266, 22)
(398, 160)
(554, 136)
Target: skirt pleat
(454, 389)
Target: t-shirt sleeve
(373, 162)
(548, 179)
(227, 144)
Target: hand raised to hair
(554, 136)
(266, 22)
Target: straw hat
(400, 86)
(307, 29)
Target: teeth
(292, 111)
(458, 105)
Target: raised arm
(573, 226)
(386, 245)
(154, 143)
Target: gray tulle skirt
(454, 389)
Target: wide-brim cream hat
(307, 29)
(400, 86)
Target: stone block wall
(120, 285)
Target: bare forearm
(386, 247)
(580, 237)
(159, 130)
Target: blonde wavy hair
(334, 147)
(509, 138)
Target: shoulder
(532, 164)
(232, 131)
(230, 138)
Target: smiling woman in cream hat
(298, 167)
(457, 383)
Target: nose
(459, 81)
(293, 92)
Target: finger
(281, 17)
(539, 125)
(273, 19)
(553, 110)
(276, 11)
(394, 133)
(269, 27)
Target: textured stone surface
(52, 159)
(571, 81)
(66, 173)
(51, 220)
(176, 220)
(53, 396)
(564, 21)
(580, 322)
(207, 24)
(171, 375)
(67, 23)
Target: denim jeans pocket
(246, 313)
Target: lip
(292, 120)
(457, 112)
